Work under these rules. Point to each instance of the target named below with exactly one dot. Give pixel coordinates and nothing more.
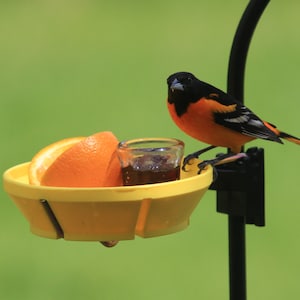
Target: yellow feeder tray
(113, 213)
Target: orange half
(78, 162)
(45, 157)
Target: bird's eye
(188, 80)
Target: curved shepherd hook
(240, 46)
(235, 87)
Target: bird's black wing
(241, 119)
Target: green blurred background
(71, 68)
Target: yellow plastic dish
(114, 213)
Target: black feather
(245, 121)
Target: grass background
(71, 68)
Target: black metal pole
(237, 257)
(235, 87)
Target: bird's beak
(176, 85)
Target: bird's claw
(195, 155)
(203, 165)
(187, 159)
(220, 159)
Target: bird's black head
(184, 88)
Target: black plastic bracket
(240, 187)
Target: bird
(214, 117)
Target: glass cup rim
(137, 144)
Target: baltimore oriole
(214, 117)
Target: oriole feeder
(113, 213)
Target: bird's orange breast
(198, 122)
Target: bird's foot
(186, 160)
(220, 160)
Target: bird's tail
(282, 134)
(289, 137)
